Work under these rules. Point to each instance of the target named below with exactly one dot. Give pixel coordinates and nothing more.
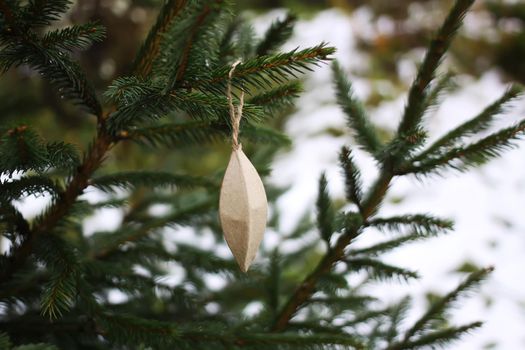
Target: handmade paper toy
(243, 206)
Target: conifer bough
(55, 281)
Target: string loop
(235, 113)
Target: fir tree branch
(420, 224)
(277, 34)
(417, 96)
(175, 135)
(439, 306)
(385, 246)
(130, 180)
(266, 70)
(439, 338)
(379, 270)
(357, 118)
(471, 127)
(462, 157)
(60, 292)
(60, 207)
(78, 37)
(61, 71)
(353, 182)
(335, 254)
(325, 211)
(273, 100)
(371, 202)
(44, 12)
(150, 49)
(133, 234)
(183, 62)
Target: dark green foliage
(43, 13)
(57, 284)
(49, 55)
(379, 270)
(275, 99)
(325, 211)
(29, 185)
(74, 38)
(421, 224)
(358, 120)
(277, 34)
(418, 99)
(136, 179)
(352, 175)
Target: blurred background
(379, 43)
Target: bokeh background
(379, 43)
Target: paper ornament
(243, 206)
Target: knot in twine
(235, 113)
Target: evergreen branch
(438, 307)
(150, 49)
(421, 224)
(272, 101)
(59, 208)
(352, 175)
(61, 155)
(276, 35)
(141, 102)
(379, 270)
(417, 96)
(397, 313)
(189, 42)
(107, 247)
(325, 211)
(176, 135)
(78, 37)
(471, 127)
(244, 46)
(29, 185)
(442, 85)
(346, 303)
(440, 338)
(262, 134)
(299, 339)
(266, 70)
(357, 119)
(63, 73)
(474, 154)
(21, 149)
(193, 258)
(385, 246)
(316, 326)
(127, 329)
(44, 12)
(60, 292)
(273, 285)
(133, 179)
(334, 255)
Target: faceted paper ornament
(243, 208)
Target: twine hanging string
(235, 114)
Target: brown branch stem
(189, 43)
(151, 46)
